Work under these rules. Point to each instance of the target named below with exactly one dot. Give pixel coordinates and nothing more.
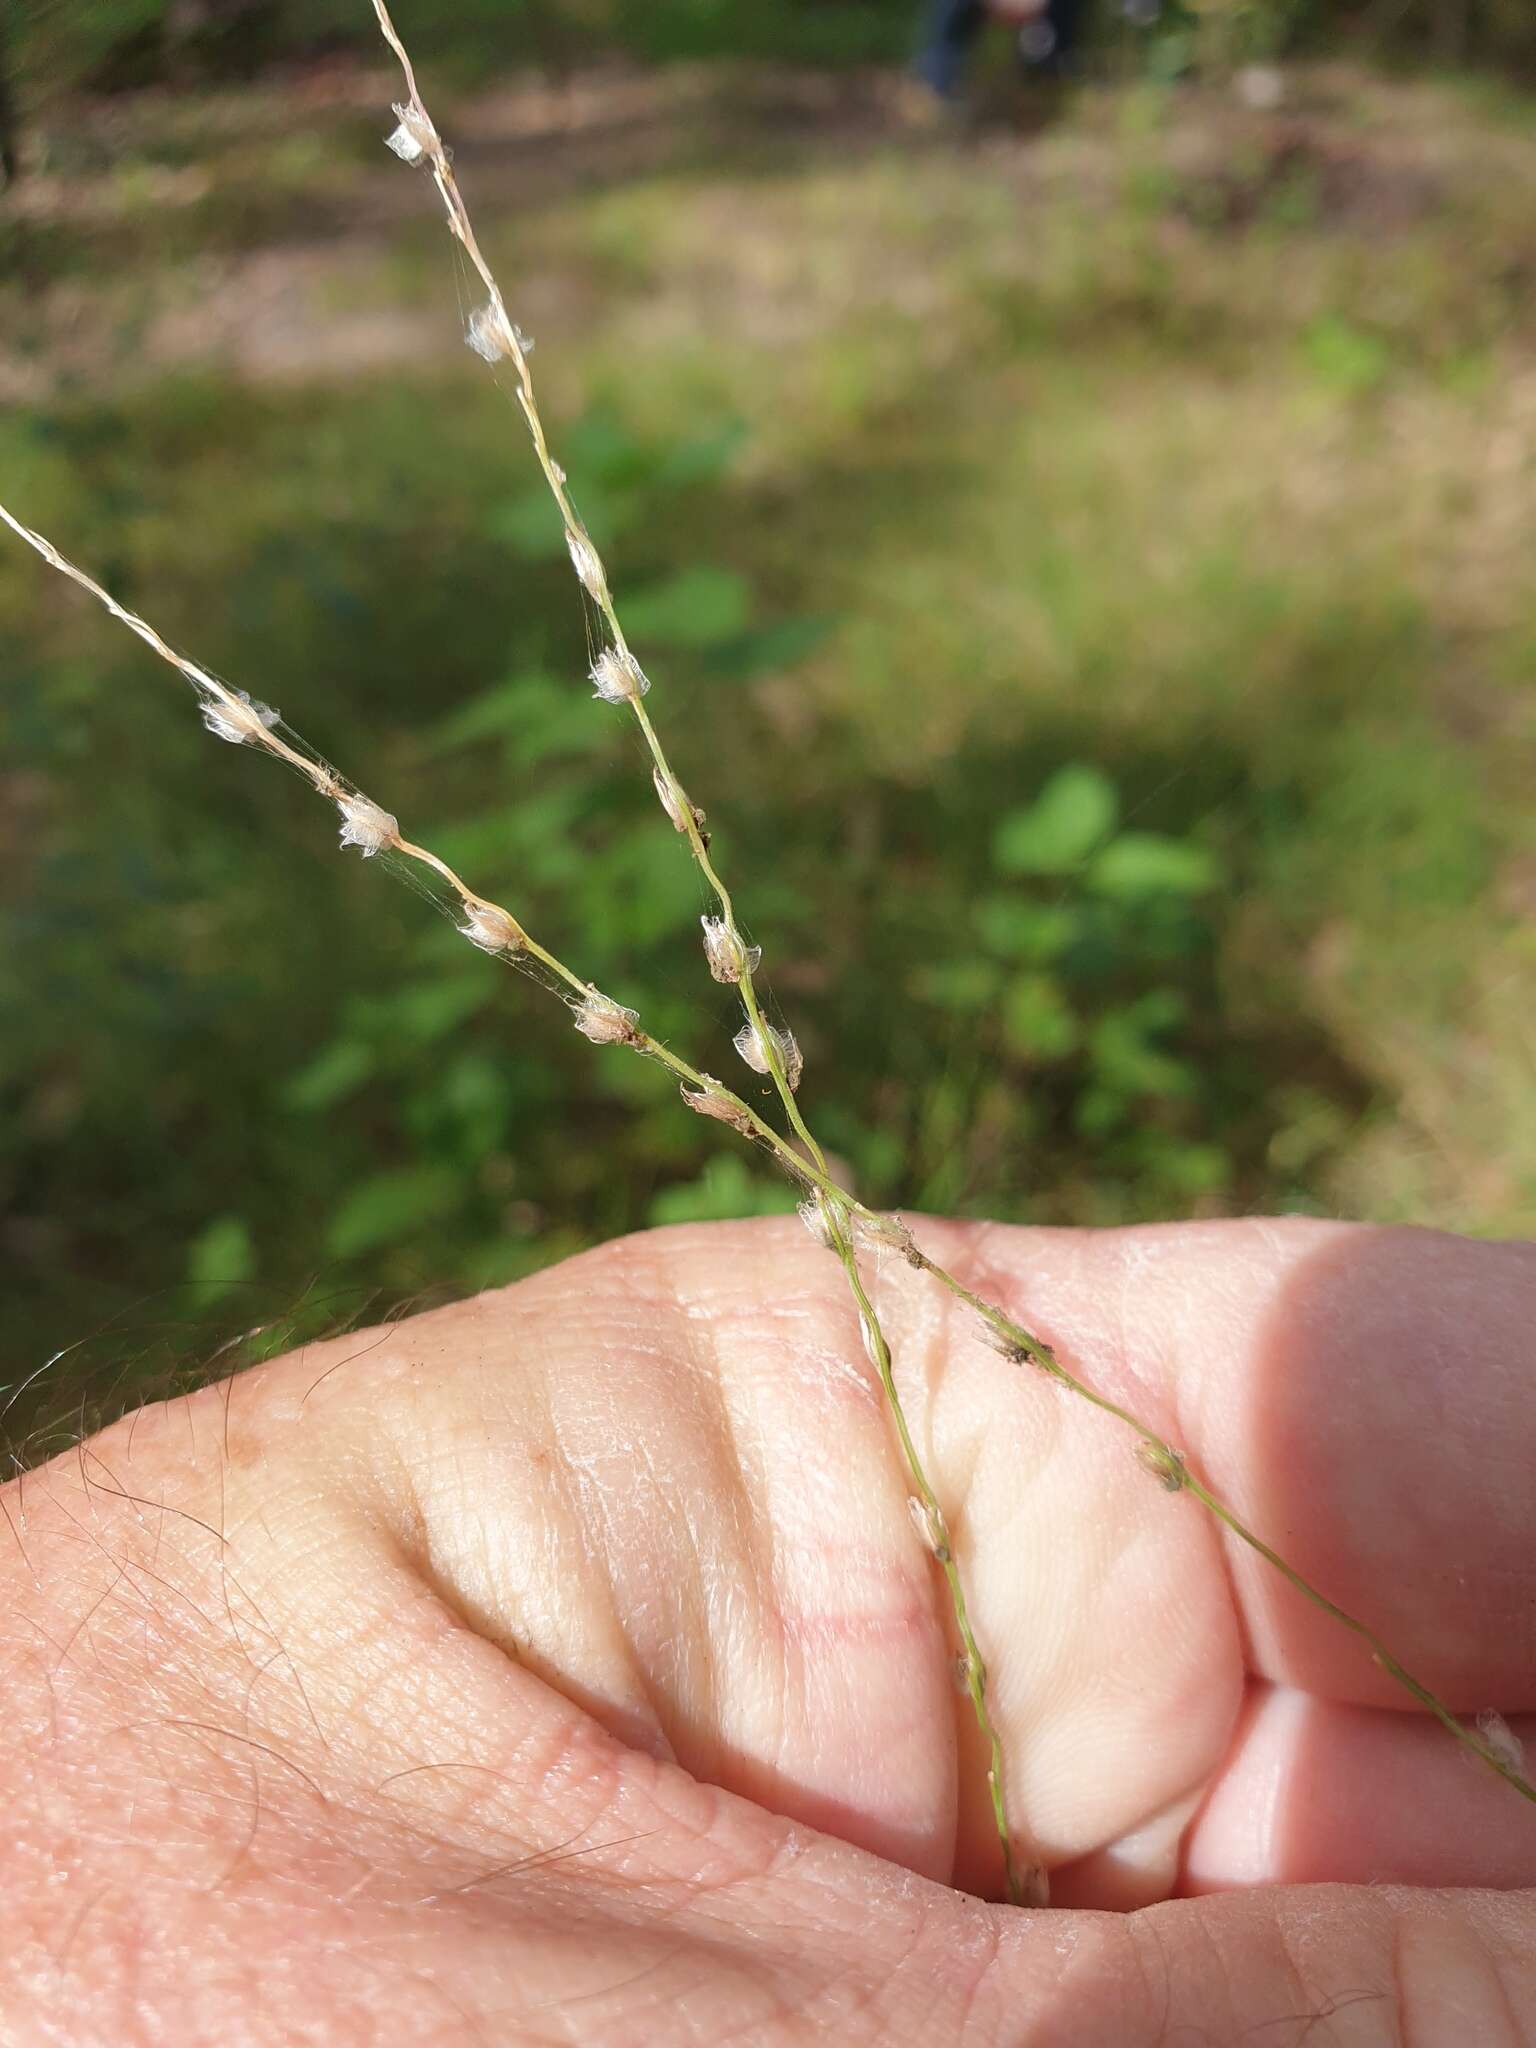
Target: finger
(1361, 1397)
(1316, 1792)
(1349, 1967)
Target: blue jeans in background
(954, 25)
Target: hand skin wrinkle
(481, 1833)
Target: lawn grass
(1174, 462)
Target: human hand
(563, 1666)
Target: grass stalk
(847, 1227)
(496, 336)
(838, 1219)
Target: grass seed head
(489, 333)
(238, 722)
(1501, 1740)
(816, 1213)
(759, 1043)
(490, 928)
(604, 1021)
(929, 1524)
(714, 1100)
(618, 678)
(365, 826)
(889, 1232)
(728, 957)
(674, 801)
(587, 563)
(415, 139)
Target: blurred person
(9, 159)
(1048, 32)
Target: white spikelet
(752, 1041)
(415, 139)
(674, 801)
(814, 1215)
(887, 1231)
(240, 721)
(728, 958)
(929, 1524)
(870, 1341)
(490, 928)
(618, 678)
(365, 826)
(587, 564)
(1502, 1740)
(604, 1021)
(715, 1101)
(489, 333)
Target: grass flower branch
(773, 1052)
(618, 679)
(848, 1229)
(833, 1216)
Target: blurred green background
(1082, 551)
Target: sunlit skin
(565, 1667)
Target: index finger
(1360, 1396)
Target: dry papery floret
(587, 563)
(1502, 1741)
(887, 1231)
(238, 721)
(494, 336)
(415, 139)
(366, 826)
(618, 677)
(715, 1100)
(929, 1524)
(675, 802)
(604, 1021)
(872, 1342)
(491, 928)
(1166, 1465)
(822, 1221)
(729, 958)
(753, 1041)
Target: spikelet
(365, 826)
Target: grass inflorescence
(849, 1229)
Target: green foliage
(221, 1258)
(1092, 768)
(117, 42)
(1073, 813)
(724, 1189)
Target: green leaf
(425, 1011)
(530, 525)
(1127, 1059)
(536, 834)
(391, 1206)
(770, 650)
(1037, 1019)
(723, 1190)
(965, 985)
(1072, 815)
(1016, 929)
(221, 1259)
(1345, 357)
(1148, 864)
(543, 717)
(600, 444)
(330, 1078)
(705, 458)
(694, 608)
